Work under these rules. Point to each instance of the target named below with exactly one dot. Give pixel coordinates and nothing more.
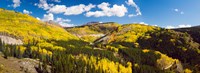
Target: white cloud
(184, 26)
(182, 12)
(78, 9)
(154, 25)
(133, 4)
(178, 11)
(57, 1)
(143, 23)
(48, 17)
(131, 15)
(58, 9)
(140, 23)
(115, 10)
(179, 26)
(27, 12)
(170, 27)
(67, 25)
(16, 3)
(72, 10)
(104, 6)
(89, 7)
(95, 14)
(43, 4)
(38, 18)
(64, 22)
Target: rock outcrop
(10, 40)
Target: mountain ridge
(193, 31)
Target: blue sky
(163, 13)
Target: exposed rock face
(14, 65)
(28, 65)
(103, 39)
(173, 65)
(25, 65)
(10, 40)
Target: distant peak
(93, 22)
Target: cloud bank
(16, 3)
(61, 21)
(27, 12)
(115, 10)
(179, 26)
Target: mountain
(26, 27)
(93, 30)
(52, 45)
(178, 45)
(194, 32)
(94, 48)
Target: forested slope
(92, 32)
(52, 45)
(178, 45)
(194, 32)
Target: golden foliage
(27, 27)
(145, 50)
(187, 70)
(165, 61)
(131, 32)
(106, 65)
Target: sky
(162, 13)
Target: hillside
(142, 37)
(14, 65)
(93, 31)
(30, 30)
(52, 45)
(193, 31)
(26, 27)
(174, 44)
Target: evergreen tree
(1, 45)
(27, 53)
(19, 53)
(6, 52)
